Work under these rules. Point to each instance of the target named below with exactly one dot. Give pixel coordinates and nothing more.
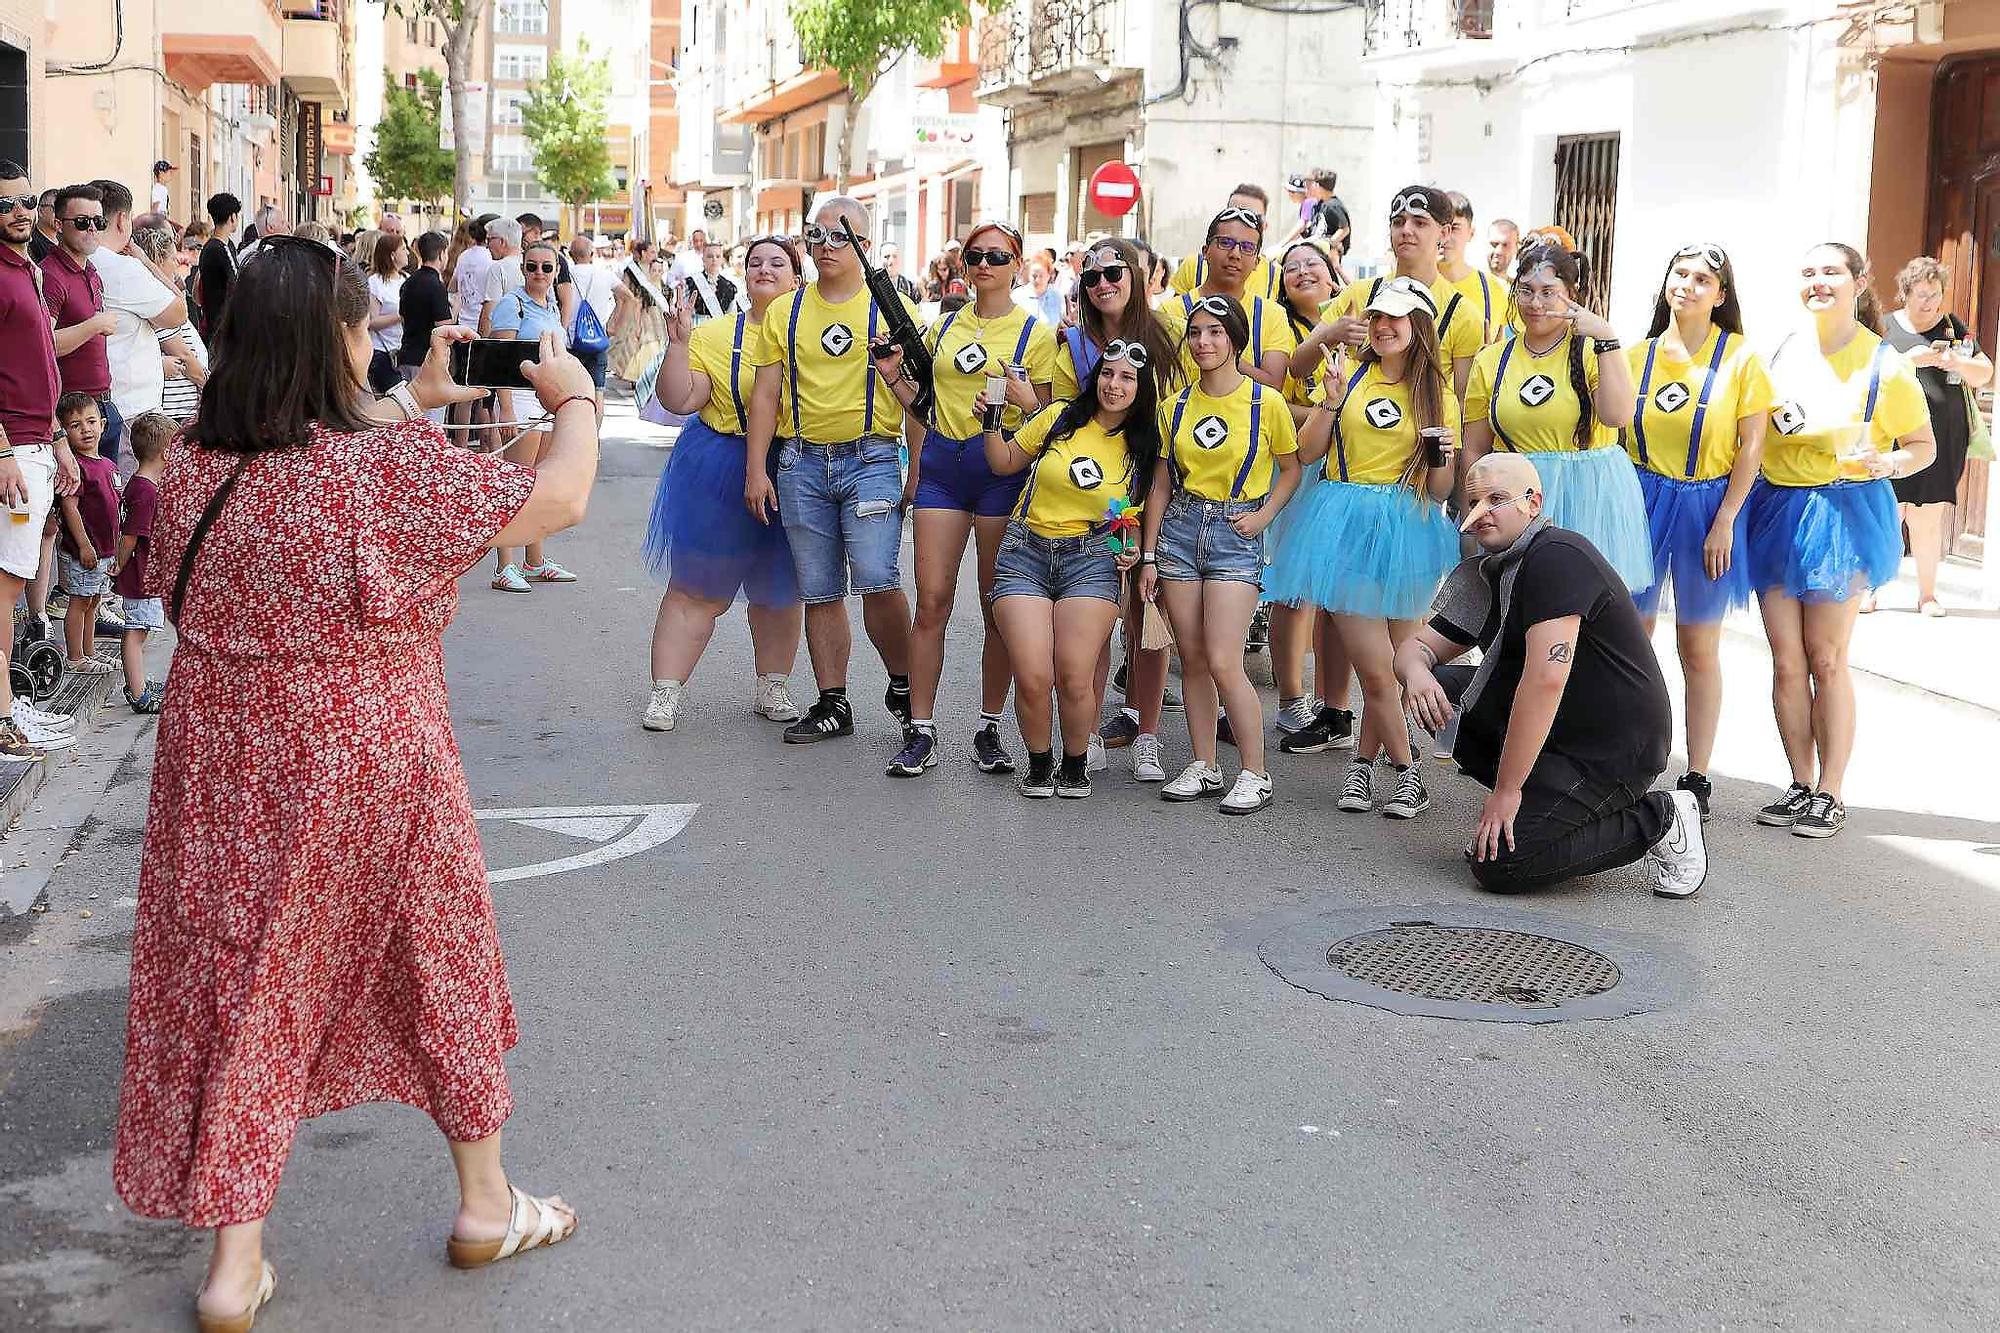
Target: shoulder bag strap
(195, 539)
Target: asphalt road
(855, 1053)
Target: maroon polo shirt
(75, 293)
(28, 383)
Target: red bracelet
(574, 398)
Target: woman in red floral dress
(314, 925)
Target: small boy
(89, 531)
(149, 434)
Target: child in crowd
(150, 434)
(89, 531)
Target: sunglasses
(989, 258)
(1242, 215)
(1245, 248)
(818, 235)
(538, 268)
(10, 202)
(1412, 202)
(1708, 251)
(1090, 277)
(1210, 305)
(1131, 352)
(82, 223)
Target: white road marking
(588, 827)
(655, 824)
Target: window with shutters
(1038, 213)
(1587, 205)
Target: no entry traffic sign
(1114, 189)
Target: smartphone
(493, 363)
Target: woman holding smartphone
(526, 313)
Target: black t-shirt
(724, 289)
(424, 305)
(1328, 217)
(1614, 719)
(1946, 400)
(40, 247)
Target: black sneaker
(1073, 777)
(1823, 817)
(1223, 731)
(988, 753)
(1119, 730)
(898, 703)
(1410, 798)
(825, 719)
(1703, 790)
(1039, 782)
(1785, 811)
(919, 753)
(1333, 729)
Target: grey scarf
(1468, 595)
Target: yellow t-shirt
(1823, 407)
(1212, 447)
(1671, 397)
(1073, 481)
(723, 349)
(1459, 334)
(1270, 331)
(966, 349)
(1376, 428)
(1486, 297)
(831, 391)
(1068, 383)
(1264, 279)
(1527, 399)
(1305, 392)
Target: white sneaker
(45, 738)
(1251, 793)
(1146, 758)
(1357, 793)
(664, 708)
(509, 580)
(1094, 760)
(27, 714)
(548, 572)
(1680, 858)
(774, 699)
(1196, 781)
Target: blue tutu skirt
(1813, 542)
(1680, 513)
(1596, 492)
(1282, 525)
(701, 539)
(1362, 550)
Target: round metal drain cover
(1474, 965)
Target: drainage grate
(1474, 965)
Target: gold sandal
(533, 1225)
(267, 1286)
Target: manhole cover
(1474, 965)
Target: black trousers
(1571, 823)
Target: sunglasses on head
(87, 223)
(10, 202)
(1210, 305)
(1413, 202)
(991, 258)
(1090, 277)
(1708, 252)
(818, 235)
(1131, 351)
(538, 268)
(1242, 215)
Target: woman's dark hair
(1234, 322)
(1867, 304)
(1140, 431)
(1728, 311)
(1137, 322)
(1572, 269)
(1426, 372)
(783, 243)
(280, 361)
(1302, 322)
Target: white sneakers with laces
(1251, 793)
(664, 708)
(41, 737)
(1680, 858)
(774, 699)
(27, 714)
(1094, 760)
(1196, 781)
(509, 579)
(1146, 765)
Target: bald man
(1566, 717)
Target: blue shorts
(1053, 568)
(81, 580)
(594, 363)
(841, 505)
(145, 613)
(952, 474)
(1197, 543)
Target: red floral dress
(314, 927)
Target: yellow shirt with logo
(965, 349)
(1670, 396)
(1378, 427)
(1213, 441)
(1067, 382)
(1458, 325)
(715, 349)
(1486, 297)
(1822, 404)
(1270, 331)
(1535, 409)
(1073, 481)
(1305, 392)
(829, 390)
(1264, 279)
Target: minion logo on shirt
(1085, 473)
(1211, 432)
(1671, 397)
(1789, 418)
(836, 339)
(970, 359)
(1537, 390)
(1383, 413)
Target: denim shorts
(81, 580)
(841, 506)
(1030, 565)
(594, 363)
(1196, 542)
(145, 613)
(952, 474)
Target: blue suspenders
(1700, 407)
(1340, 439)
(736, 372)
(1083, 353)
(937, 345)
(792, 364)
(1173, 432)
(1874, 382)
(1250, 454)
(1493, 403)
(868, 369)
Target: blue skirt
(1364, 550)
(1813, 542)
(1288, 517)
(1680, 514)
(1596, 492)
(702, 539)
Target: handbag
(586, 331)
(1978, 433)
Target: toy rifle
(903, 331)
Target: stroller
(35, 668)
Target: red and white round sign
(1114, 189)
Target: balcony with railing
(1044, 48)
(1397, 27)
(315, 51)
(222, 41)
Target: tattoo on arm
(1559, 652)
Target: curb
(80, 697)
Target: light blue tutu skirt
(702, 539)
(1362, 550)
(1274, 536)
(1680, 513)
(1814, 542)
(1596, 492)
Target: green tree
(563, 122)
(457, 20)
(861, 40)
(406, 161)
